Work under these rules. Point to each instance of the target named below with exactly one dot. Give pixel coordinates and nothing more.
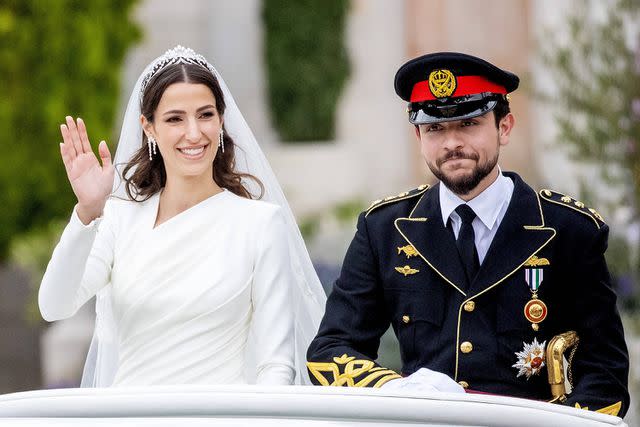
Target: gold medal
(535, 311)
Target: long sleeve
(272, 322)
(601, 363)
(343, 352)
(79, 267)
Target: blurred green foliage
(57, 58)
(596, 75)
(306, 65)
(596, 101)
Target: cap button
(469, 306)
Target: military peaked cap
(448, 86)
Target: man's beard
(464, 185)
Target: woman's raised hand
(90, 182)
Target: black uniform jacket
(402, 268)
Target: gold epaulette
(571, 203)
(347, 371)
(392, 199)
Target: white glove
(425, 380)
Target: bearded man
(477, 273)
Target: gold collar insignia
(406, 270)
(408, 250)
(534, 261)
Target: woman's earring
(151, 142)
(222, 140)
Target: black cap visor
(451, 109)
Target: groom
(477, 273)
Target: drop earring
(151, 142)
(221, 144)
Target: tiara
(176, 55)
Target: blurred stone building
(19, 339)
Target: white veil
(308, 297)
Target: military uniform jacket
(402, 268)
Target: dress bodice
(200, 299)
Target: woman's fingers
(66, 159)
(68, 142)
(75, 137)
(84, 138)
(105, 155)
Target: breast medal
(531, 359)
(535, 310)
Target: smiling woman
(197, 283)
(182, 112)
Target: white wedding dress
(189, 297)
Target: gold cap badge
(442, 83)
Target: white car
(281, 406)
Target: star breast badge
(531, 359)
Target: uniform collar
(486, 205)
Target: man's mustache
(452, 155)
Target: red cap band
(465, 85)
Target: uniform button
(466, 347)
(469, 306)
(406, 319)
(464, 384)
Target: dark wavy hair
(501, 110)
(143, 177)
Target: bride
(196, 281)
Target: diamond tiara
(176, 55)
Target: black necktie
(466, 242)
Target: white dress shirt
(490, 207)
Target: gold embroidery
(343, 359)
(442, 83)
(404, 193)
(534, 261)
(408, 250)
(566, 199)
(406, 270)
(351, 370)
(611, 409)
(546, 193)
(608, 410)
(579, 204)
(386, 379)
